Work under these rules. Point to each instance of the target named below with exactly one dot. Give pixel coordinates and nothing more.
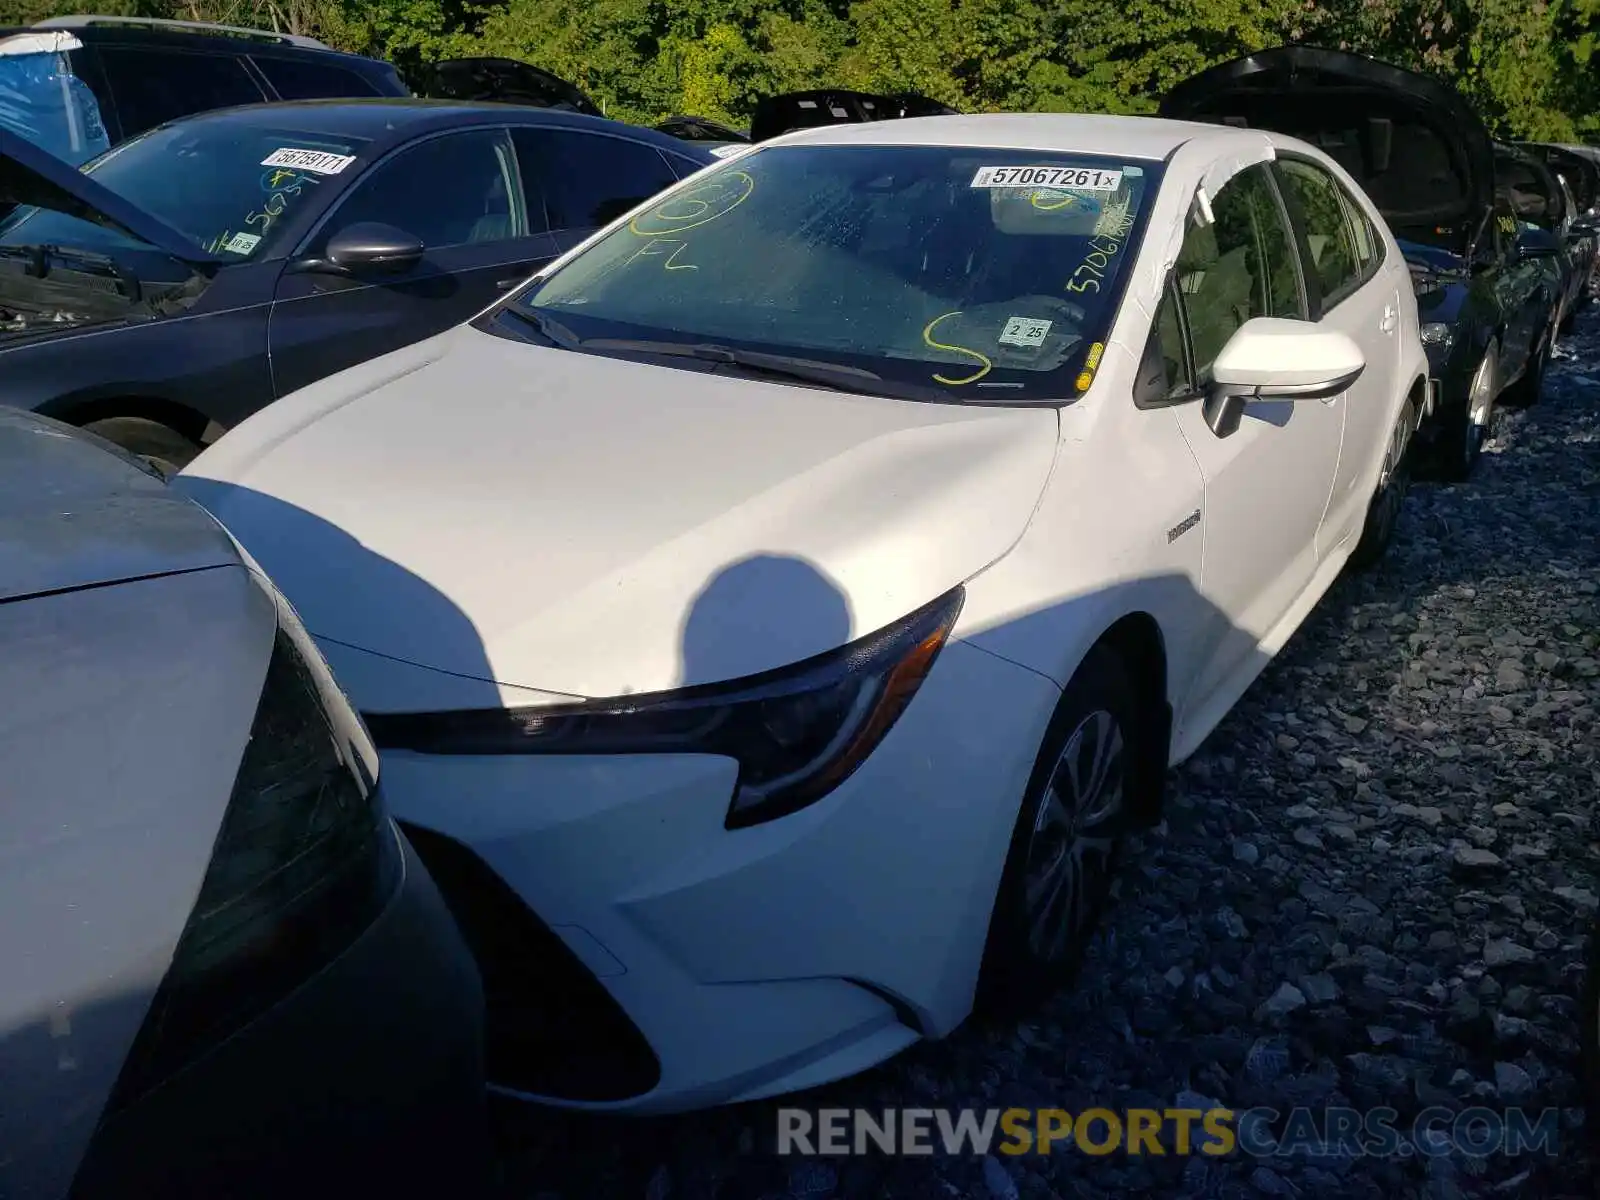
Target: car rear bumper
(367, 1080)
(687, 965)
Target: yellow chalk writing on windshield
(656, 247)
(716, 197)
(927, 336)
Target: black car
(1579, 173)
(189, 277)
(78, 85)
(788, 111)
(1486, 291)
(702, 129)
(1542, 200)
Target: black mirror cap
(374, 246)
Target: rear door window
(588, 179)
(298, 79)
(151, 86)
(1335, 257)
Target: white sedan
(774, 615)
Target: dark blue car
(192, 275)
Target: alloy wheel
(1480, 407)
(1071, 850)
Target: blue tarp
(43, 101)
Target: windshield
(227, 185)
(975, 275)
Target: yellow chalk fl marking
(927, 336)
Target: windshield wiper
(835, 376)
(545, 326)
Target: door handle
(1390, 319)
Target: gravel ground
(1373, 887)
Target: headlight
(797, 732)
(1438, 335)
(304, 861)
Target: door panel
(1360, 299)
(1266, 484)
(587, 179)
(460, 195)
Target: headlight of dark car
(797, 732)
(304, 861)
(1438, 339)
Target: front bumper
(734, 964)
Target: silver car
(223, 971)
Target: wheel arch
(81, 410)
(1139, 643)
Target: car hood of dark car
(76, 512)
(1412, 141)
(31, 176)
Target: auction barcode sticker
(1082, 179)
(319, 161)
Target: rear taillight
(305, 859)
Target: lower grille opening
(551, 1028)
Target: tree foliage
(1532, 67)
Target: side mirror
(1587, 225)
(366, 248)
(1271, 358)
(1537, 243)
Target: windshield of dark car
(227, 185)
(989, 275)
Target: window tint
(1241, 266)
(588, 179)
(1165, 353)
(449, 191)
(152, 86)
(1334, 256)
(1369, 247)
(297, 79)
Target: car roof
(80, 513)
(387, 119)
(181, 34)
(1150, 138)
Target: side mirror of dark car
(1537, 243)
(366, 248)
(1588, 225)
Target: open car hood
(32, 176)
(1531, 188)
(789, 111)
(701, 129)
(1412, 141)
(501, 81)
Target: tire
(160, 445)
(1457, 449)
(1525, 392)
(1036, 945)
(1383, 511)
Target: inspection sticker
(1081, 179)
(242, 243)
(1025, 331)
(320, 161)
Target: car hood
(561, 521)
(30, 175)
(76, 512)
(1412, 141)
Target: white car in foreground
(791, 597)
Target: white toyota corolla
(773, 616)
